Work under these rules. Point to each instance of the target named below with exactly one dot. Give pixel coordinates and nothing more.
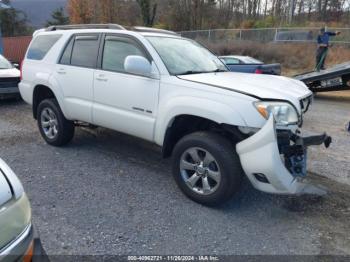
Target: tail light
(258, 71)
(20, 70)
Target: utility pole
(2, 6)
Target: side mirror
(138, 65)
(16, 65)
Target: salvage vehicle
(247, 64)
(17, 238)
(156, 85)
(9, 78)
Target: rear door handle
(101, 78)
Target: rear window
(41, 46)
(85, 51)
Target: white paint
(12, 72)
(145, 101)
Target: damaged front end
(275, 161)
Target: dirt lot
(108, 193)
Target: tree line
(13, 22)
(182, 15)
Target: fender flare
(51, 83)
(200, 107)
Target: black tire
(65, 127)
(227, 160)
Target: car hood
(5, 189)
(11, 179)
(12, 72)
(259, 86)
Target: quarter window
(41, 45)
(116, 50)
(85, 51)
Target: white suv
(154, 84)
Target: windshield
(183, 56)
(4, 63)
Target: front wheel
(53, 126)
(207, 168)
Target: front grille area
(7, 82)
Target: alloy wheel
(200, 171)
(49, 123)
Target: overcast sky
(38, 11)
(16, 1)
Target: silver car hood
(8, 179)
(5, 190)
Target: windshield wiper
(191, 72)
(218, 71)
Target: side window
(85, 51)
(65, 59)
(41, 45)
(115, 51)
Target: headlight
(284, 113)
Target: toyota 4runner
(156, 85)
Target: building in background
(2, 6)
(15, 48)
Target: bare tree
(148, 11)
(181, 15)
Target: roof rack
(152, 30)
(109, 26)
(85, 26)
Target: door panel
(75, 75)
(124, 102)
(76, 84)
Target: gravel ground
(107, 193)
(331, 113)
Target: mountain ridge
(38, 11)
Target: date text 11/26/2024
(173, 258)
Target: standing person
(322, 47)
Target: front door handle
(61, 71)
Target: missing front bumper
(275, 161)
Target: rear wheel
(53, 126)
(207, 168)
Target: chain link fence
(267, 35)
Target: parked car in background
(17, 241)
(247, 64)
(9, 78)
